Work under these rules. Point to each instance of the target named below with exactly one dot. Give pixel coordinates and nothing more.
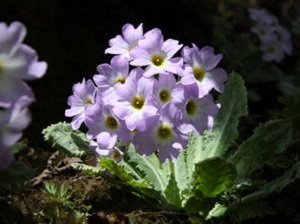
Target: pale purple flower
(135, 103)
(18, 62)
(200, 69)
(156, 54)
(123, 44)
(196, 114)
(84, 94)
(163, 88)
(114, 153)
(104, 126)
(6, 157)
(110, 75)
(163, 137)
(13, 121)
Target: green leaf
(217, 211)
(214, 176)
(172, 192)
(137, 177)
(277, 184)
(121, 172)
(184, 166)
(150, 168)
(263, 147)
(64, 138)
(233, 105)
(249, 210)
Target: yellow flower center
(1, 67)
(138, 102)
(198, 73)
(89, 101)
(164, 132)
(116, 156)
(111, 122)
(120, 80)
(191, 108)
(157, 59)
(164, 95)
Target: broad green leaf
(119, 170)
(213, 176)
(213, 143)
(233, 103)
(150, 167)
(143, 173)
(184, 166)
(263, 147)
(63, 137)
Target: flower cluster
(18, 63)
(275, 40)
(147, 96)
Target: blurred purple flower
(275, 40)
(262, 16)
(263, 30)
(156, 54)
(83, 95)
(285, 40)
(13, 121)
(271, 49)
(18, 62)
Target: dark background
(71, 36)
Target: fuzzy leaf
(184, 166)
(142, 173)
(249, 210)
(277, 184)
(214, 176)
(263, 147)
(149, 167)
(64, 138)
(171, 192)
(91, 170)
(214, 143)
(233, 105)
(121, 172)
